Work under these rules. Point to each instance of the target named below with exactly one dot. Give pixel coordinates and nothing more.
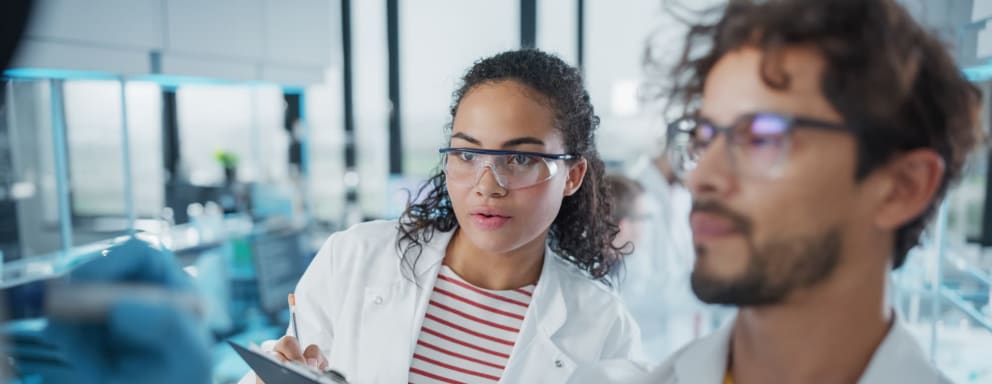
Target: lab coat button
(559, 364)
(377, 300)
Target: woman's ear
(576, 173)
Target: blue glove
(141, 339)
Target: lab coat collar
(428, 264)
(545, 316)
(898, 359)
(705, 361)
(548, 303)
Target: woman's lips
(488, 220)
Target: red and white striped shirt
(468, 332)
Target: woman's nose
(489, 183)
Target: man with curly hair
(818, 139)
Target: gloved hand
(141, 338)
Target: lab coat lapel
(394, 311)
(899, 359)
(536, 356)
(705, 362)
(426, 269)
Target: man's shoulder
(694, 361)
(667, 371)
(901, 359)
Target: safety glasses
(512, 169)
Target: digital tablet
(271, 370)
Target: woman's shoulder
(360, 242)
(381, 234)
(578, 282)
(375, 229)
(376, 233)
(597, 313)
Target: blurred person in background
(496, 274)
(818, 141)
(649, 281)
(656, 285)
(629, 210)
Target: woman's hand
(288, 349)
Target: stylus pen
(292, 318)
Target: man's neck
(503, 271)
(825, 334)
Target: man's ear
(914, 179)
(576, 174)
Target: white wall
(246, 121)
(94, 137)
(93, 134)
(371, 102)
(30, 123)
(983, 9)
(439, 41)
(287, 42)
(616, 40)
(557, 26)
(324, 113)
(144, 106)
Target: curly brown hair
(891, 80)
(582, 233)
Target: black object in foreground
(271, 370)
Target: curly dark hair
(891, 80)
(582, 233)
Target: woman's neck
(495, 271)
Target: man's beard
(775, 269)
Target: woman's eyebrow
(522, 141)
(509, 143)
(470, 139)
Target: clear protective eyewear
(512, 169)
(757, 144)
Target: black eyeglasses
(757, 143)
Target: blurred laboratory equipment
(129, 301)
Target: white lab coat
(357, 302)
(899, 359)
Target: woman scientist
(495, 275)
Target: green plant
(226, 159)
